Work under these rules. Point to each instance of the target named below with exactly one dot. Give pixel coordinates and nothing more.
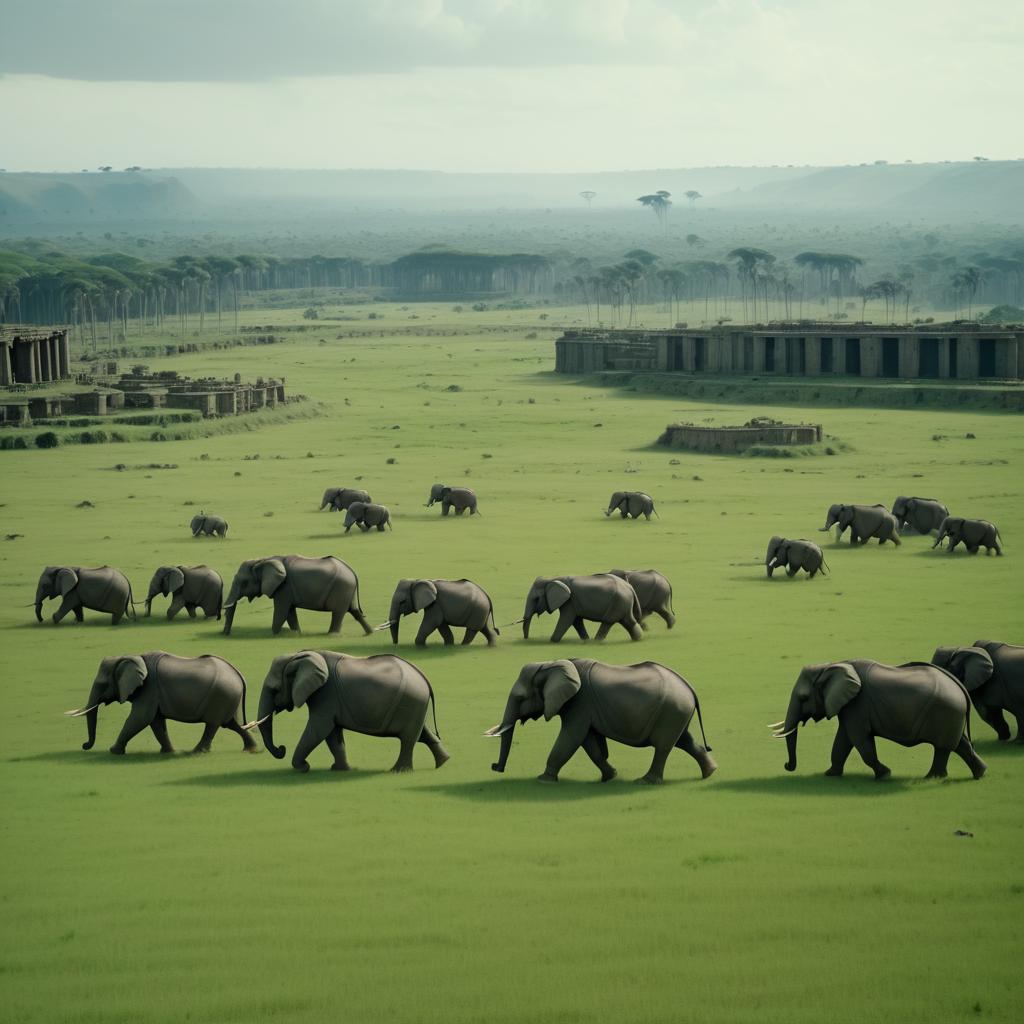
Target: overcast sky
(517, 85)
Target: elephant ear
(67, 580)
(275, 674)
(308, 672)
(174, 578)
(129, 674)
(556, 593)
(839, 685)
(271, 573)
(424, 594)
(972, 666)
(561, 682)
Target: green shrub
(93, 437)
(9, 443)
(48, 439)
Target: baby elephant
(794, 555)
(189, 587)
(863, 522)
(908, 704)
(653, 591)
(209, 526)
(972, 533)
(367, 516)
(458, 498)
(444, 603)
(381, 696)
(162, 686)
(645, 705)
(339, 498)
(631, 505)
(993, 674)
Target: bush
(47, 440)
(312, 313)
(8, 443)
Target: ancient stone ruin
(759, 431)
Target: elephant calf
(162, 686)
(444, 603)
(972, 533)
(631, 505)
(908, 704)
(380, 696)
(367, 516)
(923, 515)
(458, 498)
(653, 591)
(189, 587)
(601, 598)
(863, 522)
(209, 526)
(100, 590)
(794, 555)
(339, 498)
(646, 705)
(993, 674)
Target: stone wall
(737, 439)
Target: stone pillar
(871, 357)
(910, 351)
(943, 358)
(46, 372)
(6, 370)
(55, 373)
(24, 362)
(812, 357)
(1006, 357)
(758, 354)
(967, 358)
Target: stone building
(33, 355)
(954, 351)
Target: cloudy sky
(517, 85)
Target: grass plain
(227, 887)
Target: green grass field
(227, 887)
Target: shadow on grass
(278, 775)
(529, 790)
(853, 784)
(101, 757)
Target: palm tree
(748, 260)
(967, 282)
(693, 195)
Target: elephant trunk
(91, 717)
(394, 619)
(266, 720)
(229, 608)
(41, 596)
(526, 624)
(507, 728)
(790, 727)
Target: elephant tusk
(776, 725)
(496, 730)
(249, 726)
(383, 625)
(783, 735)
(514, 622)
(80, 711)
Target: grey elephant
(293, 581)
(923, 515)
(908, 704)
(367, 516)
(631, 505)
(972, 533)
(100, 590)
(645, 705)
(380, 696)
(208, 526)
(794, 555)
(189, 587)
(993, 674)
(863, 522)
(602, 598)
(161, 686)
(653, 591)
(444, 603)
(339, 498)
(457, 498)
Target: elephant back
(103, 589)
(370, 690)
(186, 687)
(629, 700)
(1008, 660)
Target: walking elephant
(293, 581)
(645, 705)
(189, 587)
(600, 598)
(208, 526)
(367, 516)
(653, 591)
(100, 590)
(631, 505)
(458, 498)
(794, 555)
(339, 498)
(972, 533)
(993, 674)
(444, 603)
(908, 704)
(923, 515)
(380, 696)
(161, 686)
(863, 522)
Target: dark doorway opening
(796, 357)
(748, 355)
(675, 353)
(769, 355)
(853, 356)
(928, 358)
(890, 357)
(953, 357)
(699, 347)
(827, 366)
(987, 357)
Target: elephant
(631, 504)
(794, 555)
(923, 515)
(458, 498)
(380, 696)
(908, 704)
(365, 516)
(190, 587)
(100, 590)
(320, 584)
(161, 686)
(208, 526)
(444, 603)
(601, 598)
(972, 533)
(644, 705)
(864, 522)
(993, 674)
(652, 590)
(339, 498)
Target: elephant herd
(361, 510)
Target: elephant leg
(360, 618)
(699, 753)
(79, 613)
(581, 629)
(159, 727)
(669, 618)
(469, 636)
(293, 620)
(970, 757)
(866, 748)
(177, 603)
(602, 630)
(565, 620)
(138, 718)
(791, 571)
(248, 743)
(116, 617)
(994, 717)
(206, 740)
(598, 753)
(347, 528)
(972, 549)
(67, 606)
(444, 508)
(841, 747)
(940, 760)
(446, 634)
(312, 736)
(336, 618)
(1020, 727)
(433, 744)
(490, 635)
(632, 627)
(656, 773)
(404, 762)
(191, 609)
(570, 738)
(281, 610)
(336, 744)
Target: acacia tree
(750, 263)
(693, 195)
(660, 202)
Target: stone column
(967, 358)
(6, 370)
(910, 349)
(758, 354)
(943, 358)
(1006, 357)
(46, 372)
(870, 357)
(812, 357)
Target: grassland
(227, 887)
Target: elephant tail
(700, 720)
(131, 601)
(433, 706)
(490, 613)
(824, 565)
(655, 511)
